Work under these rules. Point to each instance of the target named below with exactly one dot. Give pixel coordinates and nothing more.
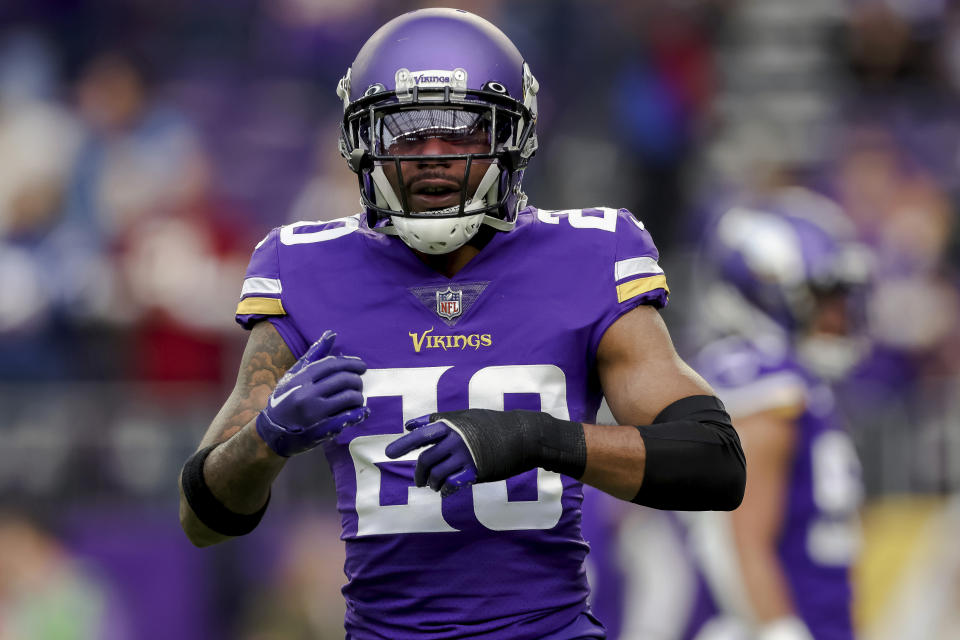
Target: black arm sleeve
(694, 459)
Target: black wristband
(693, 458)
(205, 505)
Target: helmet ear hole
(359, 160)
(495, 87)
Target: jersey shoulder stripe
(262, 290)
(261, 296)
(645, 265)
(640, 286)
(260, 306)
(260, 286)
(636, 272)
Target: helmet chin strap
(383, 190)
(486, 192)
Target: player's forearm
(689, 459)
(764, 582)
(756, 531)
(615, 459)
(238, 473)
(241, 470)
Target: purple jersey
(517, 328)
(820, 531)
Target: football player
(448, 347)
(778, 567)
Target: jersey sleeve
(631, 275)
(638, 277)
(261, 297)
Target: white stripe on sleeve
(261, 285)
(634, 266)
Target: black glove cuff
(557, 445)
(506, 443)
(205, 505)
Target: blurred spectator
(141, 157)
(901, 83)
(38, 139)
(180, 275)
(901, 211)
(143, 187)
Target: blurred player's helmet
(785, 258)
(439, 72)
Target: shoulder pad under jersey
(755, 375)
(636, 276)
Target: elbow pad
(694, 461)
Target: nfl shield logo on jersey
(448, 303)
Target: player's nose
(436, 147)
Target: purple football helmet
(783, 254)
(448, 74)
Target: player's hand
(318, 397)
(448, 464)
(480, 445)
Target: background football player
(489, 328)
(788, 322)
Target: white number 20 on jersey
(417, 389)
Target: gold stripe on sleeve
(639, 286)
(265, 306)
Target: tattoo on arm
(240, 472)
(265, 360)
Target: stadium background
(145, 147)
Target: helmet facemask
(437, 201)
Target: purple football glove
(319, 396)
(446, 466)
